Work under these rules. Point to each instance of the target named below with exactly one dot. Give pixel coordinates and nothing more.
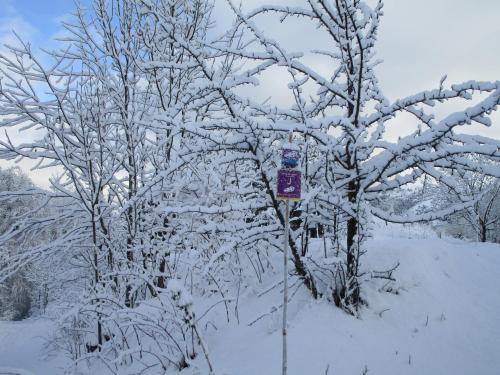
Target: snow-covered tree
(479, 221)
(345, 114)
(110, 128)
(16, 292)
(165, 165)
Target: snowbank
(442, 316)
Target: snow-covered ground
(23, 348)
(444, 319)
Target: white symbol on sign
(291, 154)
(289, 189)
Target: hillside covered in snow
(441, 316)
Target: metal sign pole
(285, 282)
(288, 188)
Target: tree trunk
(482, 231)
(352, 287)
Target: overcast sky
(419, 40)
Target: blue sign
(290, 158)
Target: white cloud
(16, 23)
(11, 21)
(419, 41)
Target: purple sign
(290, 158)
(288, 184)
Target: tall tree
(346, 115)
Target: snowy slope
(22, 348)
(444, 319)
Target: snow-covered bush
(16, 291)
(15, 297)
(481, 220)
